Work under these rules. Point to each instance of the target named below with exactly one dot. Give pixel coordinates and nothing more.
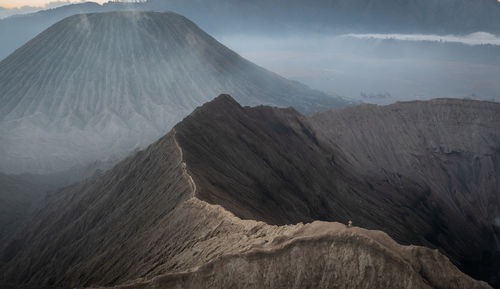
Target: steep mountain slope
(18, 196)
(21, 194)
(100, 85)
(451, 148)
(20, 29)
(424, 172)
(279, 16)
(146, 223)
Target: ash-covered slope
(97, 86)
(19, 29)
(424, 172)
(145, 223)
(451, 149)
(18, 196)
(21, 194)
(267, 164)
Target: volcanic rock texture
(97, 86)
(218, 201)
(426, 173)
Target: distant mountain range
(215, 204)
(97, 86)
(282, 17)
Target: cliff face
(451, 148)
(188, 212)
(97, 86)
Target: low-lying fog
(382, 68)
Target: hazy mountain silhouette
(279, 16)
(186, 210)
(97, 86)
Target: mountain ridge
(148, 203)
(421, 161)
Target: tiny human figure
(349, 224)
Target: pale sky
(40, 3)
(37, 3)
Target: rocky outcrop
(97, 86)
(218, 203)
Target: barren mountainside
(227, 191)
(97, 86)
(426, 173)
(21, 195)
(451, 149)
